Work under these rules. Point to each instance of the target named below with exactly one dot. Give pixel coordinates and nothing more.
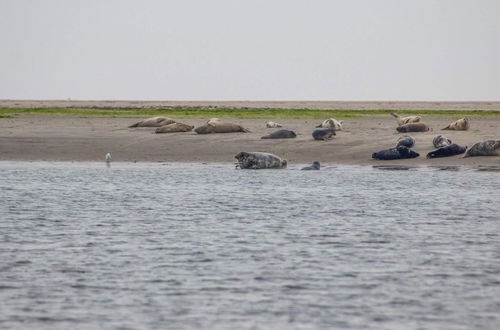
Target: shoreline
(75, 138)
(313, 105)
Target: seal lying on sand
(451, 150)
(259, 160)
(413, 127)
(216, 125)
(323, 134)
(459, 125)
(314, 166)
(272, 124)
(175, 127)
(405, 120)
(331, 123)
(400, 152)
(281, 134)
(154, 122)
(441, 141)
(486, 148)
(406, 141)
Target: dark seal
(314, 166)
(451, 150)
(400, 152)
(323, 134)
(281, 134)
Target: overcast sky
(446, 50)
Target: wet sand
(72, 138)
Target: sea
(209, 246)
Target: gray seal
(315, 166)
(485, 148)
(447, 151)
(174, 128)
(400, 152)
(441, 141)
(406, 141)
(413, 127)
(323, 134)
(460, 125)
(259, 160)
(218, 126)
(154, 122)
(281, 134)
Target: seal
(485, 148)
(281, 134)
(441, 141)
(173, 128)
(259, 160)
(216, 125)
(154, 122)
(460, 125)
(447, 151)
(323, 134)
(314, 166)
(405, 120)
(400, 152)
(331, 123)
(413, 127)
(272, 124)
(406, 141)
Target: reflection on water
(207, 246)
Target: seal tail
(446, 128)
(134, 125)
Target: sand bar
(73, 138)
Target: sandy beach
(73, 138)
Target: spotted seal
(400, 152)
(272, 124)
(331, 123)
(259, 160)
(460, 125)
(281, 134)
(447, 151)
(154, 122)
(485, 148)
(413, 127)
(323, 134)
(406, 141)
(314, 166)
(441, 141)
(405, 120)
(173, 128)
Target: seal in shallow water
(323, 134)
(314, 166)
(459, 125)
(406, 141)
(413, 127)
(281, 134)
(154, 122)
(485, 148)
(173, 128)
(447, 151)
(259, 160)
(441, 141)
(400, 152)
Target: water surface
(144, 246)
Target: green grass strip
(237, 112)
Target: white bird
(108, 157)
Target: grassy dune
(236, 113)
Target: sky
(350, 50)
